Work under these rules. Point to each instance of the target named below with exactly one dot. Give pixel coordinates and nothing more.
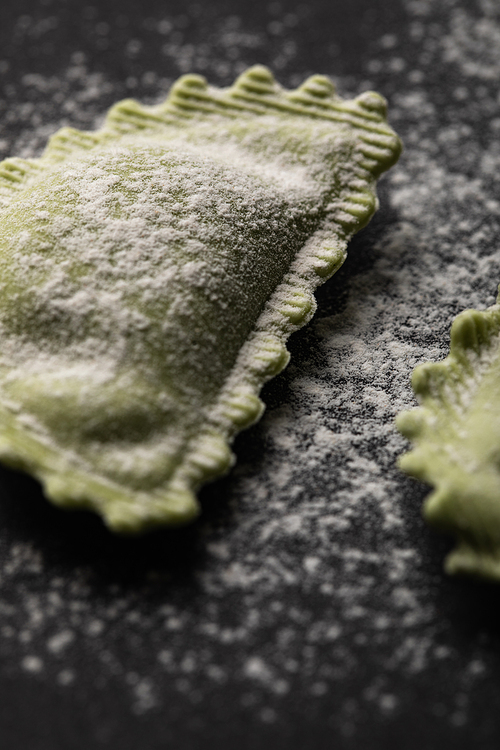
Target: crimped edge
(438, 386)
(292, 305)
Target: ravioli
(152, 271)
(456, 437)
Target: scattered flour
(318, 565)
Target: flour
(313, 565)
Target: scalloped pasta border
(437, 384)
(264, 354)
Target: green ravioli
(151, 272)
(456, 437)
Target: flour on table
(322, 522)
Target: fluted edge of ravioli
(455, 434)
(264, 354)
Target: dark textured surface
(308, 607)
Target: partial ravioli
(152, 271)
(456, 437)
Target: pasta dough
(456, 436)
(152, 271)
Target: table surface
(307, 608)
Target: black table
(307, 608)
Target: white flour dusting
(317, 564)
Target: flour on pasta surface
(321, 521)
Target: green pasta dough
(456, 438)
(152, 271)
